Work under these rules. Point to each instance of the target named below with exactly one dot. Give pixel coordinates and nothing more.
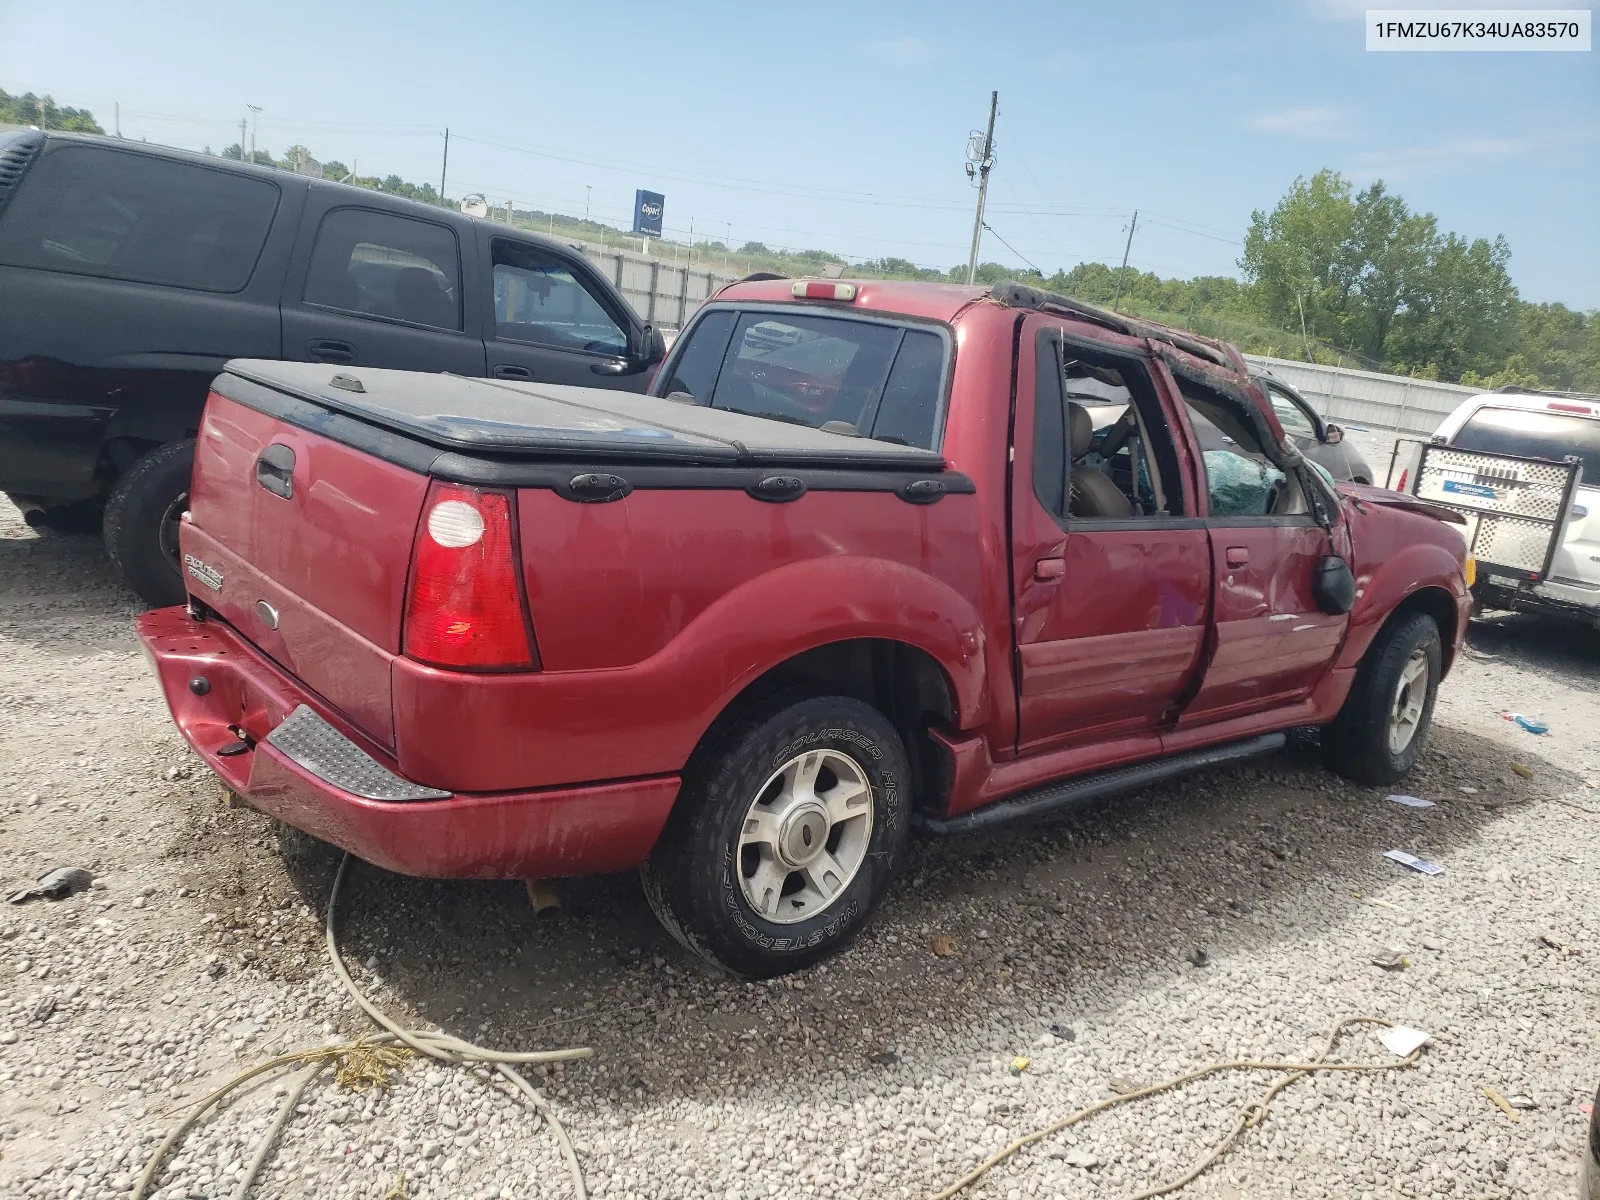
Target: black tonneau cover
(548, 421)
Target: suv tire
(787, 830)
(141, 522)
(1378, 733)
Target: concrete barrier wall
(662, 293)
(1368, 397)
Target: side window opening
(1116, 458)
(537, 298)
(119, 214)
(383, 265)
(1241, 478)
(1294, 421)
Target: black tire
(1358, 743)
(141, 522)
(694, 878)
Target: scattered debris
(57, 885)
(1550, 939)
(541, 897)
(1415, 863)
(1065, 1032)
(1418, 802)
(40, 1008)
(1200, 958)
(944, 946)
(1502, 1103)
(1523, 770)
(1018, 1065)
(1123, 1086)
(398, 1191)
(1377, 903)
(1402, 1040)
(884, 1058)
(367, 1066)
(1392, 959)
(1525, 1103)
(1531, 724)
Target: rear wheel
(784, 837)
(1379, 732)
(142, 519)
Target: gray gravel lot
(881, 1073)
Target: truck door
(1271, 642)
(1111, 566)
(549, 319)
(376, 288)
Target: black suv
(129, 274)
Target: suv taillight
(464, 607)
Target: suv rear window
(139, 217)
(1534, 434)
(882, 380)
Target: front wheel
(141, 522)
(1378, 733)
(784, 837)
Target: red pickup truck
(869, 556)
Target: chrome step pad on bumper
(309, 742)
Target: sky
(843, 126)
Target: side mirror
(655, 346)
(1334, 435)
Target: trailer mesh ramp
(1515, 507)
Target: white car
(1547, 425)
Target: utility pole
(116, 109)
(445, 165)
(255, 118)
(39, 108)
(587, 190)
(1117, 299)
(243, 124)
(984, 161)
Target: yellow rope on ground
(367, 1062)
(1249, 1115)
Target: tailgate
(302, 544)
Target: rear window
(872, 378)
(1534, 434)
(382, 265)
(117, 215)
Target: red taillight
(465, 604)
(1557, 406)
(1401, 486)
(813, 289)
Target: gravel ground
(883, 1073)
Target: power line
(1008, 246)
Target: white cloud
(1305, 122)
(1451, 154)
(906, 51)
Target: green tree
(28, 109)
(1460, 310)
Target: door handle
(326, 350)
(1238, 556)
(511, 371)
(1048, 569)
(618, 367)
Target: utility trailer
(1516, 508)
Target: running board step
(1064, 794)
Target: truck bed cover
(549, 421)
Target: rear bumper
(51, 451)
(1578, 603)
(577, 830)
